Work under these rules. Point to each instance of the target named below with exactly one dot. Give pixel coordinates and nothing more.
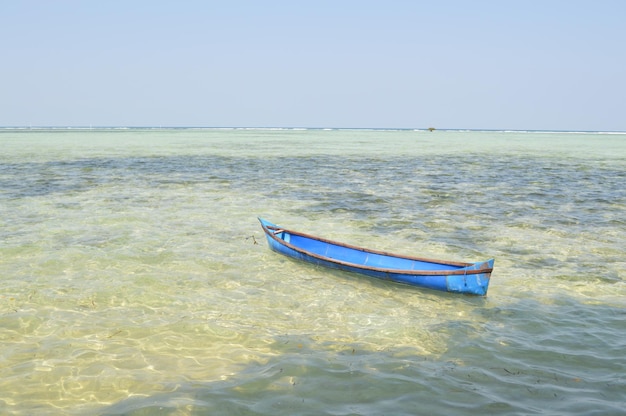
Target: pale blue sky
(477, 64)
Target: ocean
(136, 279)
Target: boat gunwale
(462, 271)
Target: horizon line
(428, 129)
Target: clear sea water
(136, 280)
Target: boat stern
(475, 283)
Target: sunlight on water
(137, 280)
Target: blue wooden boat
(469, 278)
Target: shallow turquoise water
(136, 279)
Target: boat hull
(468, 278)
